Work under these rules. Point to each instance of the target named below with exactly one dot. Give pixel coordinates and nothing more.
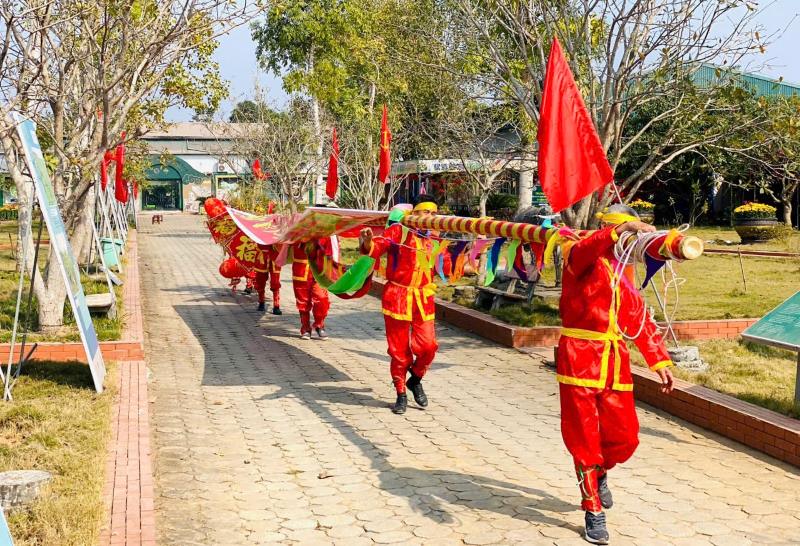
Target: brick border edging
(509, 335)
(751, 425)
(128, 493)
(756, 427)
(129, 348)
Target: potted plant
(645, 210)
(755, 222)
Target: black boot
(596, 531)
(277, 311)
(604, 492)
(414, 384)
(261, 306)
(401, 404)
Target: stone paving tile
(262, 438)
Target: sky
(236, 56)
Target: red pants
(409, 339)
(310, 296)
(274, 286)
(600, 430)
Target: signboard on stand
(60, 242)
(780, 328)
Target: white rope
(632, 248)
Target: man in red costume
(309, 295)
(270, 270)
(598, 415)
(408, 304)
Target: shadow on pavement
(300, 375)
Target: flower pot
(646, 216)
(753, 230)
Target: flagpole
(616, 190)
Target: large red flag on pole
(572, 163)
(332, 184)
(385, 158)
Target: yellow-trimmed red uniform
(598, 415)
(269, 270)
(408, 302)
(308, 294)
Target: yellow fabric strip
(578, 382)
(590, 335)
(659, 365)
(616, 218)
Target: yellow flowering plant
(641, 206)
(755, 211)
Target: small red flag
(120, 184)
(135, 189)
(332, 184)
(385, 165)
(257, 172)
(572, 162)
(108, 157)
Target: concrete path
(262, 438)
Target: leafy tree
(86, 72)
(625, 57)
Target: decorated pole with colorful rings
(671, 245)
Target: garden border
(128, 349)
(129, 490)
(756, 427)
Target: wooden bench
(102, 304)
(509, 294)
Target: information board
(5, 533)
(780, 327)
(60, 242)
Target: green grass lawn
(725, 237)
(754, 373)
(107, 329)
(715, 288)
(58, 423)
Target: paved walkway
(262, 438)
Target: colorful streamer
(491, 263)
(351, 282)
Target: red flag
(108, 157)
(332, 183)
(385, 164)
(120, 184)
(135, 189)
(572, 163)
(257, 172)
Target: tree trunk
(525, 189)
(82, 238)
(787, 193)
(51, 306)
(319, 185)
(484, 198)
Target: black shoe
(606, 499)
(277, 311)
(414, 384)
(401, 404)
(248, 290)
(261, 306)
(596, 531)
